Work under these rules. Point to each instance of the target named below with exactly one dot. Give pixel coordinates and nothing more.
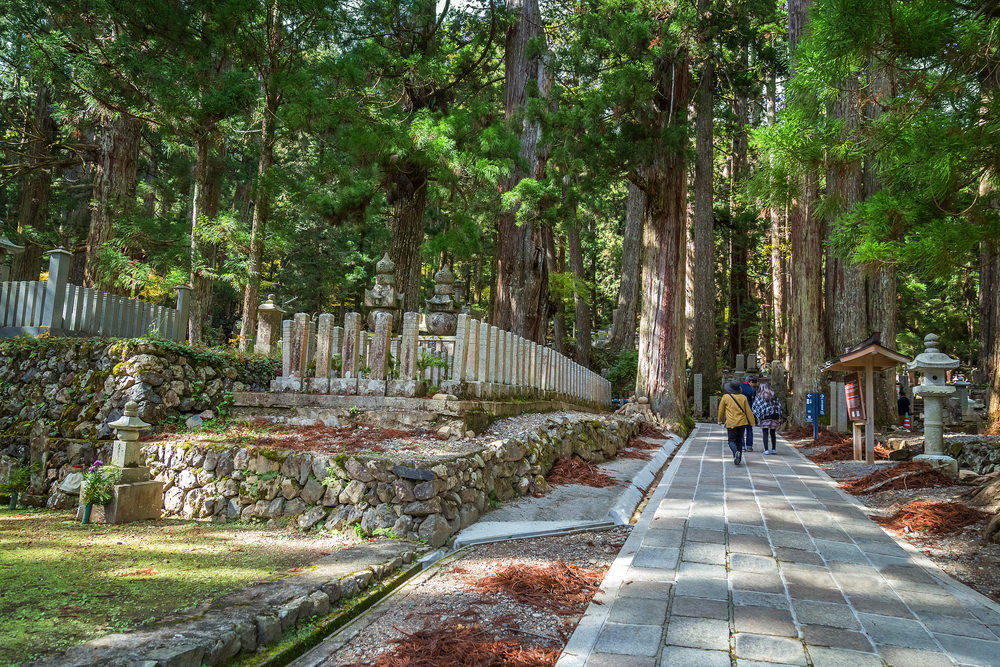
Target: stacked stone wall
(58, 395)
(979, 453)
(428, 500)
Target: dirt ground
(962, 554)
(472, 610)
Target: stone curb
(628, 501)
(581, 643)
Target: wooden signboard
(852, 392)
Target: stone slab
(139, 501)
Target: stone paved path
(770, 562)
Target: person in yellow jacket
(735, 414)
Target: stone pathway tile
(769, 563)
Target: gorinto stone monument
(442, 309)
(383, 297)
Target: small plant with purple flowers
(98, 481)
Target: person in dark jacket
(902, 404)
(749, 389)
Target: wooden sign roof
(870, 352)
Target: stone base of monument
(453, 387)
(939, 462)
(406, 388)
(134, 502)
(317, 385)
(286, 383)
(344, 386)
(368, 387)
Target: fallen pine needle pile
(844, 451)
(574, 470)
(560, 587)
(932, 518)
(461, 642)
(635, 454)
(647, 430)
(905, 475)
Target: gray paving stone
(639, 611)
(744, 529)
(700, 607)
(663, 538)
(710, 522)
(822, 656)
(759, 583)
(825, 613)
(880, 548)
(789, 555)
(653, 590)
(614, 660)
(649, 574)
(701, 552)
(713, 589)
(841, 551)
(754, 599)
(791, 539)
(656, 557)
(897, 656)
(752, 563)
(769, 649)
(680, 656)
(704, 633)
(883, 602)
(813, 586)
(764, 621)
(944, 605)
(706, 535)
(749, 544)
(896, 632)
(629, 639)
(969, 651)
(689, 570)
(822, 635)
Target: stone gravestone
(741, 367)
(378, 359)
(347, 383)
(752, 362)
(713, 407)
(136, 497)
(408, 384)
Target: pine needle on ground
(933, 518)
(559, 587)
(574, 470)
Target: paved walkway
(769, 562)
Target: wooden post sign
(852, 392)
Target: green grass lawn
(62, 584)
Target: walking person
(749, 389)
(734, 412)
(767, 410)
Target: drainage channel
(327, 638)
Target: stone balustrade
(479, 362)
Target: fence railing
(59, 308)
(479, 361)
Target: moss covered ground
(62, 584)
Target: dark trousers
(765, 431)
(749, 439)
(736, 434)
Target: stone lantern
(932, 364)
(10, 249)
(136, 497)
(442, 310)
(383, 297)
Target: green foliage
(622, 372)
(98, 483)
(19, 478)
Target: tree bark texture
(623, 327)
(33, 211)
(805, 265)
(779, 244)
(261, 211)
(409, 206)
(989, 279)
(704, 357)
(583, 319)
(520, 300)
(661, 374)
(115, 182)
(555, 262)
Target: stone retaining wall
(428, 499)
(980, 453)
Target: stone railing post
(408, 384)
(183, 311)
(324, 353)
(378, 356)
(55, 289)
(347, 383)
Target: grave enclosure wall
(429, 499)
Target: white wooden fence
(56, 307)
